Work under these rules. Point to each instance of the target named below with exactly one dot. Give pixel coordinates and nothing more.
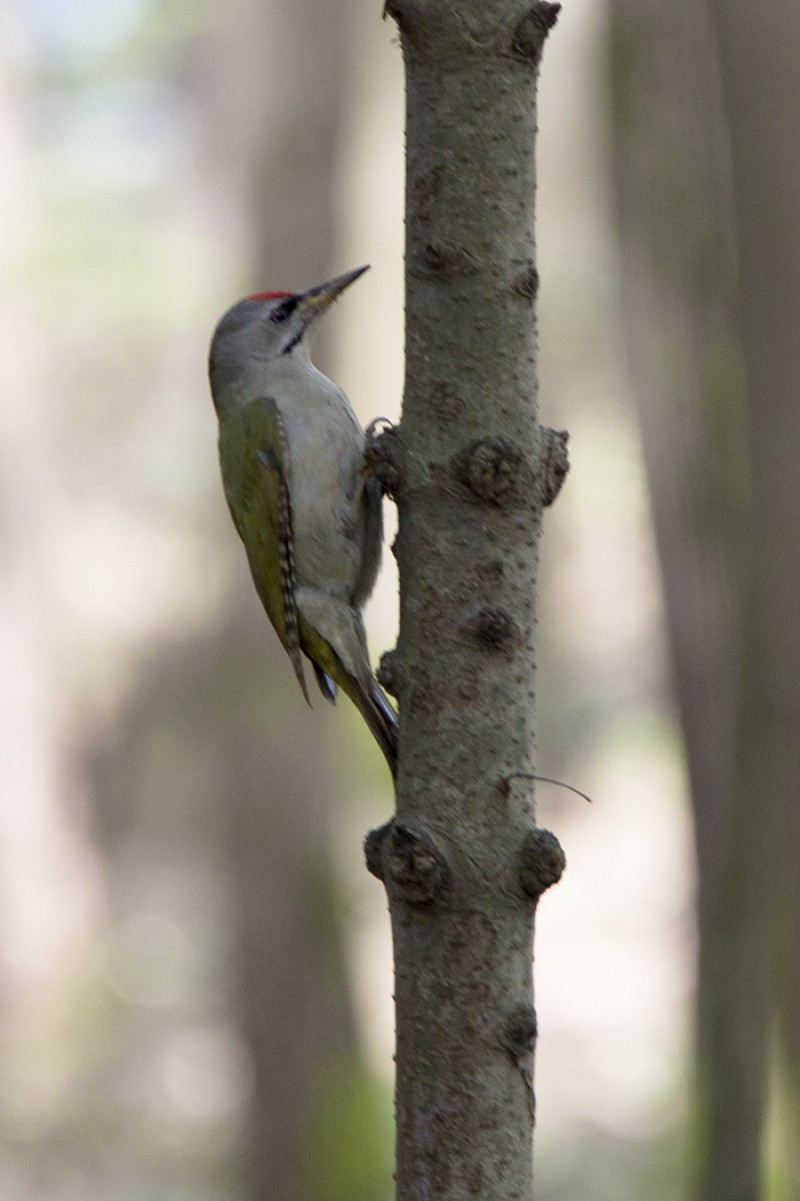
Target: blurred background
(195, 970)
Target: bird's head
(268, 326)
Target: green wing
(254, 455)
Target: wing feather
(256, 471)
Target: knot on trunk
(526, 283)
(542, 862)
(408, 863)
(494, 629)
(489, 468)
(444, 260)
(389, 674)
(555, 464)
(529, 36)
(519, 1031)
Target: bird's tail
(373, 705)
(332, 636)
(381, 718)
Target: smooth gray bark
(470, 474)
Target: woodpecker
(291, 452)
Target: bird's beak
(316, 300)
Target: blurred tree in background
(709, 188)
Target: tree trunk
(674, 203)
(721, 442)
(461, 862)
(759, 53)
(274, 85)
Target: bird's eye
(283, 310)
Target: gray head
(266, 326)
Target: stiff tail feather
(382, 721)
(374, 707)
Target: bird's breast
(325, 449)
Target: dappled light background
(180, 838)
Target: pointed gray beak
(316, 300)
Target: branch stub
(529, 36)
(389, 674)
(555, 465)
(542, 862)
(526, 283)
(415, 865)
(444, 260)
(519, 1031)
(489, 468)
(373, 850)
(495, 628)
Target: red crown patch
(266, 295)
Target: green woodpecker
(291, 451)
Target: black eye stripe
(284, 309)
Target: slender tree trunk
(759, 56)
(722, 446)
(274, 86)
(462, 862)
(676, 228)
